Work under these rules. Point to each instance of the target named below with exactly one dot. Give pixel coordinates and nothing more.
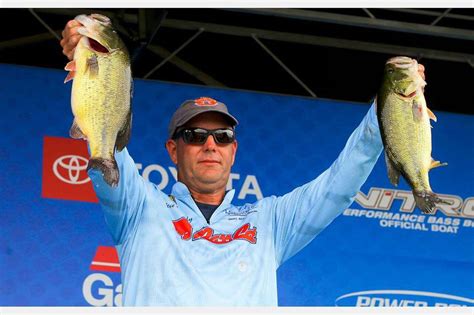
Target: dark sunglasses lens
(195, 136)
(224, 136)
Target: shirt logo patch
(243, 211)
(184, 229)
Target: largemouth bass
(404, 121)
(101, 93)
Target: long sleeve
(122, 205)
(303, 213)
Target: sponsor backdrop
(55, 248)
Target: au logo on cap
(205, 101)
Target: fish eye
(390, 70)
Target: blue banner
(56, 250)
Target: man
(193, 247)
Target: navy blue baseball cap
(191, 108)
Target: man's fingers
(70, 38)
(74, 39)
(69, 53)
(73, 23)
(71, 28)
(69, 44)
(421, 70)
(70, 56)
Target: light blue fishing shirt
(170, 255)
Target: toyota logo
(73, 164)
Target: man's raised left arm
(303, 213)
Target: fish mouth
(96, 46)
(407, 97)
(94, 29)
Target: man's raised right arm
(122, 205)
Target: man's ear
(172, 148)
(234, 147)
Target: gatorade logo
(103, 287)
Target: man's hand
(70, 38)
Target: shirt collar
(181, 192)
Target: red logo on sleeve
(185, 230)
(65, 170)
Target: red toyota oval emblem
(205, 101)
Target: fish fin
(427, 200)
(417, 110)
(431, 115)
(124, 134)
(70, 76)
(109, 169)
(92, 65)
(393, 172)
(75, 132)
(70, 66)
(435, 164)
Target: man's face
(204, 168)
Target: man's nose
(210, 143)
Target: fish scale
(100, 105)
(414, 153)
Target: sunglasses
(199, 135)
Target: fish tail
(426, 200)
(108, 167)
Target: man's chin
(210, 177)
